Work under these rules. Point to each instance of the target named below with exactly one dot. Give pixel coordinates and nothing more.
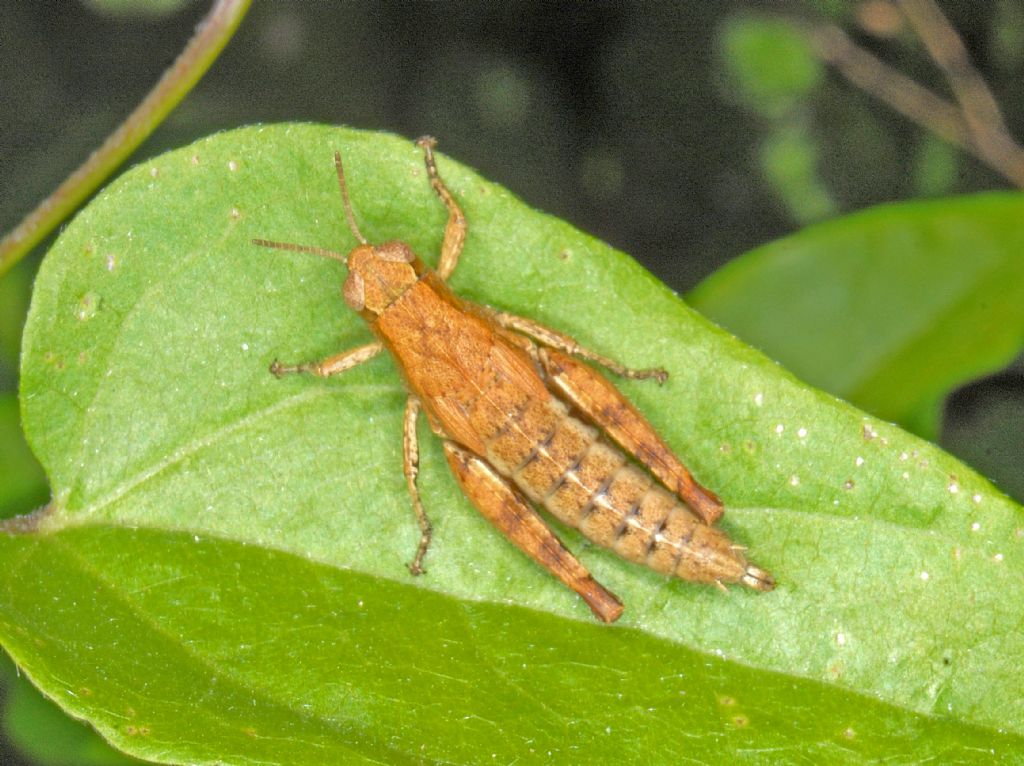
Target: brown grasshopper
(522, 419)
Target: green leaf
(22, 483)
(35, 725)
(221, 575)
(44, 733)
(936, 166)
(891, 308)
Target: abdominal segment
(565, 465)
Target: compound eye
(354, 291)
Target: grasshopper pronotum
(505, 394)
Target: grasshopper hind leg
(411, 467)
(505, 508)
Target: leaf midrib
(61, 518)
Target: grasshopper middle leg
(559, 340)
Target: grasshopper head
(379, 274)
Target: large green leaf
(221, 575)
(890, 308)
(22, 484)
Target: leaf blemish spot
(759, 399)
(779, 428)
(154, 172)
(794, 480)
(953, 487)
(194, 159)
(111, 262)
(848, 484)
(88, 305)
(840, 639)
(976, 497)
(859, 461)
(801, 433)
(976, 527)
(924, 576)
(232, 165)
(998, 558)
(849, 733)
(234, 214)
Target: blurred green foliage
(772, 63)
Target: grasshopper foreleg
(332, 365)
(455, 230)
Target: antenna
(344, 197)
(322, 251)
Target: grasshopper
(523, 420)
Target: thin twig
(973, 123)
(978, 106)
(874, 76)
(210, 37)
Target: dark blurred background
(648, 125)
